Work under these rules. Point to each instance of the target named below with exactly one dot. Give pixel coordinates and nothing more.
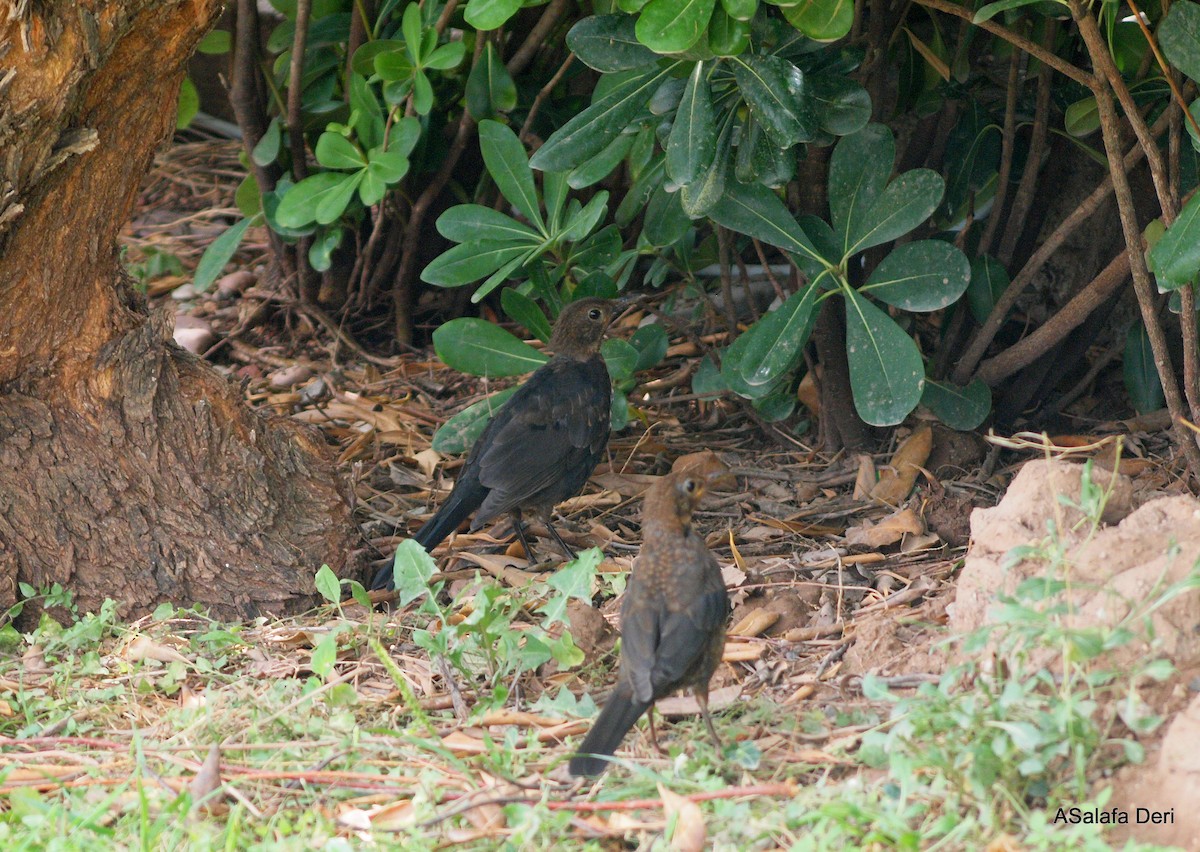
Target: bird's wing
(557, 423)
(685, 638)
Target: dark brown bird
(672, 620)
(543, 444)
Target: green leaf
(727, 36)
(991, 10)
(459, 433)
(775, 90)
(740, 10)
(699, 197)
(470, 262)
(490, 14)
(363, 63)
(384, 169)
(328, 584)
(412, 568)
(368, 115)
(908, 201)
(959, 408)
(394, 66)
(215, 42)
(672, 26)
(501, 275)
(247, 197)
(490, 88)
(601, 165)
(525, 311)
(581, 223)
(320, 253)
(776, 406)
(618, 411)
(507, 164)
(591, 131)
(608, 43)
(989, 280)
(1082, 117)
(324, 655)
(842, 105)
(665, 221)
(886, 371)
(1179, 37)
(422, 93)
(410, 26)
(1141, 376)
(321, 198)
(769, 351)
(926, 275)
(821, 20)
(189, 104)
(335, 151)
(858, 174)
(1176, 256)
(448, 56)
(474, 222)
(693, 140)
(480, 348)
(757, 212)
(219, 252)
(652, 343)
(620, 357)
(267, 149)
(708, 379)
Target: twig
(537, 37)
(1006, 154)
(541, 96)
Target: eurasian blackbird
(542, 445)
(672, 619)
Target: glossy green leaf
(470, 262)
(708, 379)
(651, 342)
(219, 252)
(958, 407)
(328, 585)
(775, 406)
(525, 310)
(507, 164)
(601, 165)
(478, 347)
(991, 10)
(321, 198)
(989, 280)
(757, 212)
(926, 275)
(765, 354)
(320, 252)
(448, 56)
(591, 131)
(727, 36)
(1176, 256)
(501, 275)
(422, 93)
(490, 14)
(460, 432)
(363, 63)
(842, 105)
(581, 223)
(393, 65)
(620, 357)
(672, 26)
(267, 149)
(1179, 37)
(821, 20)
(775, 90)
(474, 222)
(410, 26)
(368, 120)
(608, 43)
(490, 88)
(215, 42)
(908, 201)
(1082, 117)
(693, 140)
(740, 10)
(665, 222)
(887, 375)
(858, 172)
(1141, 376)
(335, 151)
(700, 196)
(618, 411)
(189, 104)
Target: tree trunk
(129, 469)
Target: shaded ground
(315, 734)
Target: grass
(449, 724)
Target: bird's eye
(594, 314)
(689, 485)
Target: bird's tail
(617, 717)
(463, 500)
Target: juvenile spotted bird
(672, 619)
(543, 444)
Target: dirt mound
(1113, 572)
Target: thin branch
(1061, 66)
(1008, 138)
(541, 96)
(295, 92)
(537, 37)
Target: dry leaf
(887, 531)
(678, 706)
(34, 660)
(145, 648)
(755, 623)
(809, 394)
(207, 780)
(865, 481)
(6, 709)
(896, 483)
(428, 460)
(689, 834)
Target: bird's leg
(570, 554)
(702, 700)
(654, 733)
(519, 529)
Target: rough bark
(128, 468)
